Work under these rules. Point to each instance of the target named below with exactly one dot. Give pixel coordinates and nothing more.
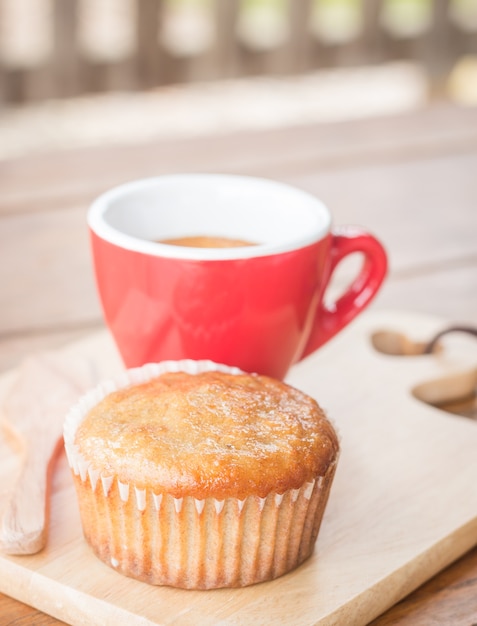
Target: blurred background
(82, 72)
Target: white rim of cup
(99, 225)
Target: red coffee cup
(259, 307)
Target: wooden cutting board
(403, 504)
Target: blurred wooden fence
(58, 48)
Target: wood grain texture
(60, 179)
(19, 614)
(450, 598)
(396, 515)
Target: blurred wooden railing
(58, 48)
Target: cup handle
(331, 318)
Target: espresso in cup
(206, 241)
(258, 306)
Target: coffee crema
(206, 241)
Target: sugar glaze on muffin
(201, 478)
(209, 435)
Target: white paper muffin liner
(189, 542)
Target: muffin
(197, 475)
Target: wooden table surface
(410, 179)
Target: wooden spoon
(35, 408)
(396, 344)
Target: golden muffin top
(211, 434)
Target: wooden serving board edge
(419, 570)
